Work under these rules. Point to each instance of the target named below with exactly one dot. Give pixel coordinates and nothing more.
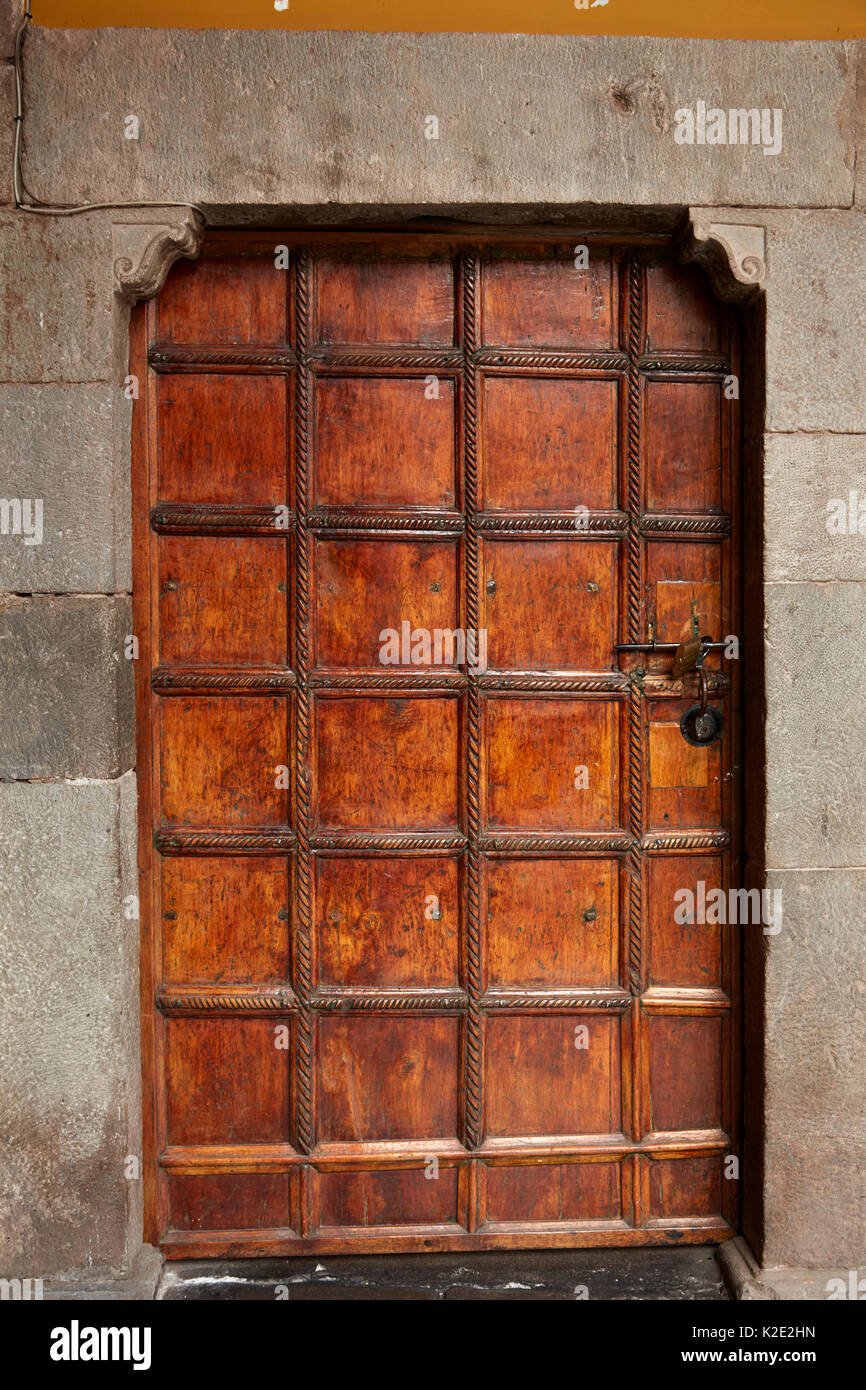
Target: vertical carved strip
(634, 343)
(635, 771)
(303, 788)
(634, 336)
(635, 327)
(474, 1022)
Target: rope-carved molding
(222, 682)
(567, 361)
(395, 680)
(604, 524)
(612, 1003)
(663, 523)
(613, 684)
(338, 358)
(732, 253)
(164, 358)
(219, 520)
(415, 840)
(387, 1002)
(588, 844)
(144, 252)
(226, 1000)
(385, 521)
(687, 366)
(696, 839)
(179, 841)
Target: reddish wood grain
(549, 303)
(549, 442)
(407, 892)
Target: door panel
(412, 976)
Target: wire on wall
(24, 199)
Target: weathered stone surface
(141, 1264)
(137, 1282)
(10, 17)
(64, 445)
(66, 688)
(68, 1026)
(816, 725)
(233, 119)
(7, 108)
(815, 1019)
(59, 320)
(748, 1281)
(816, 321)
(860, 189)
(803, 475)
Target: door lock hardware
(704, 644)
(701, 724)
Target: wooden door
(412, 975)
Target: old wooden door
(413, 977)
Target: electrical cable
(20, 190)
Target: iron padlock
(689, 656)
(702, 724)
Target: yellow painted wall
(736, 19)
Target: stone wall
(263, 128)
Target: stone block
(808, 482)
(860, 187)
(7, 110)
(816, 322)
(69, 1029)
(66, 687)
(64, 446)
(10, 18)
(59, 319)
(239, 119)
(816, 725)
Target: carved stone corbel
(732, 253)
(144, 251)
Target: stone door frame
(732, 253)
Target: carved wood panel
(412, 975)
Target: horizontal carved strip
(414, 840)
(686, 839)
(349, 519)
(393, 679)
(613, 1002)
(599, 843)
(659, 685)
(387, 1001)
(221, 682)
(370, 1157)
(230, 1158)
(565, 361)
(164, 359)
(581, 685)
(214, 520)
(691, 366)
(573, 523)
(690, 1002)
(216, 999)
(668, 524)
(384, 358)
(176, 840)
